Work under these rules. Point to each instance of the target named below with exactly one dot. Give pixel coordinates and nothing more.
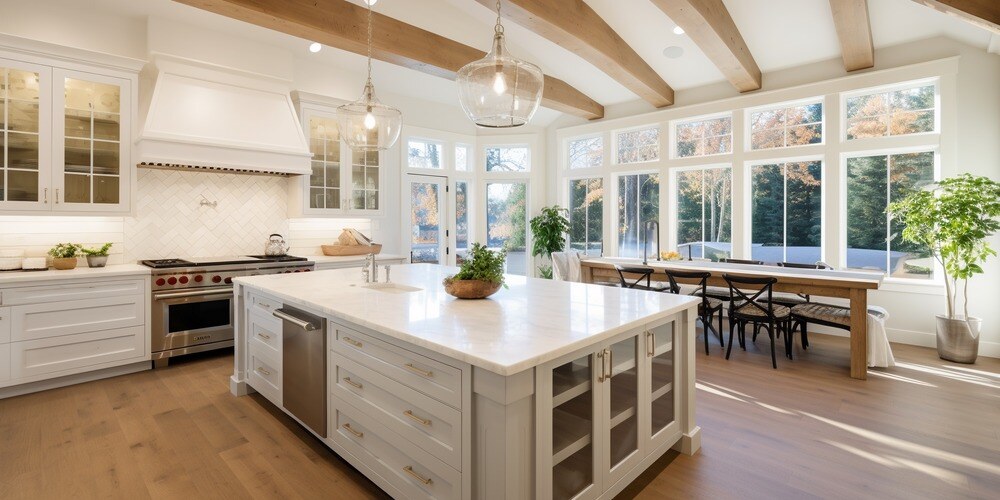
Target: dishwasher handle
(299, 322)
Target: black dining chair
(709, 306)
(751, 302)
(799, 299)
(742, 261)
(644, 273)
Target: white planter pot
(958, 338)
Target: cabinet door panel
(54, 319)
(4, 325)
(50, 356)
(662, 374)
(572, 420)
(25, 135)
(621, 413)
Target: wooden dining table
(852, 285)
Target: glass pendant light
(367, 124)
(500, 91)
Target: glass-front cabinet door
(574, 413)
(91, 167)
(621, 412)
(324, 183)
(24, 145)
(659, 356)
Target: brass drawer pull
(353, 383)
(264, 336)
(424, 422)
(418, 371)
(650, 344)
(265, 305)
(352, 431)
(353, 342)
(263, 371)
(409, 470)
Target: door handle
(611, 364)
(650, 344)
(301, 323)
(600, 356)
(225, 293)
(46, 201)
(57, 196)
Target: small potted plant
(64, 255)
(480, 275)
(549, 229)
(97, 257)
(954, 219)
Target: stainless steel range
(192, 304)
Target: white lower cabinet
(33, 359)
(57, 319)
(264, 352)
(4, 363)
(4, 325)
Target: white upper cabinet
(343, 182)
(65, 132)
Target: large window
(461, 218)
(898, 112)
(873, 240)
(702, 137)
(786, 126)
(704, 212)
(506, 222)
(586, 153)
(462, 158)
(586, 215)
(786, 210)
(423, 154)
(637, 146)
(508, 159)
(638, 203)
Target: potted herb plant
(480, 275)
(64, 255)
(954, 218)
(549, 230)
(97, 257)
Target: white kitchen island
(545, 390)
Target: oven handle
(196, 293)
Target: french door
(428, 209)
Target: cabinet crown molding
(16, 45)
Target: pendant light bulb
(499, 83)
(369, 121)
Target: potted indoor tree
(480, 275)
(954, 218)
(97, 257)
(549, 230)
(64, 255)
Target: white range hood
(204, 116)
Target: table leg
(586, 274)
(859, 333)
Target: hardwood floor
(926, 428)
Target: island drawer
(266, 331)
(263, 304)
(264, 372)
(433, 378)
(411, 470)
(428, 423)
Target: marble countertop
(532, 322)
(81, 272)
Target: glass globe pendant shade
(500, 91)
(369, 125)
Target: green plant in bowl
(480, 275)
(64, 255)
(97, 252)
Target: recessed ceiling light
(314, 47)
(371, 2)
(673, 52)
(678, 30)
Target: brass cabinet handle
(46, 196)
(650, 344)
(611, 365)
(424, 422)
(353, 342)
(418, 371)
(352, 431)
(264, 336)
(265, 305)
(262, 371)
(353, 383)
(600, 377)
(409, 470)
(57, 195)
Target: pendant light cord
(370, 42)
(498, 29)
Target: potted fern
(64, 255)
(954, 218)
(480, 275)
(549, 230)
(97, 257)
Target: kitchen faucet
(645, 240)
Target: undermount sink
(391, 287)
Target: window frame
(731, 114)
(615, 145)
(568, 194)
(566, 165)
(748, 124)
(615, 215)
(672, 199)
(922, 82)
(747, 220)
(443, 156)
(509, 145)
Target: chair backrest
(748, 289)
(673, 275)
(796, 265)
(742, 261)
(643, 272)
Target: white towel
(879, 350)
(566, 266)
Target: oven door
(189, 318)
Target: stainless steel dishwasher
(303, 359)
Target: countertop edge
(79, 273)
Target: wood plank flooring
(924, 429)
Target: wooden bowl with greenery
(480, 275)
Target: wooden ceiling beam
(854, 30)
(343, 25)
(573, 25)
(982, 13)
(710, 26)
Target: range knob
(216, 279)
(161, 282)
(229, 280)
(198, 278)
(172, 280)
(183, 280)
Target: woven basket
(471, 289)
(346, 250)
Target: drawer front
(265, 332)
(428, 423)
(263, 304)
(50, 356)
(4, 363)
(433, 378)
(71, 291)
(54, 319)
(415, 473)
(264, 374)
(4, 325)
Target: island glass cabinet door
(658, 385)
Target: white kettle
(275, 246)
